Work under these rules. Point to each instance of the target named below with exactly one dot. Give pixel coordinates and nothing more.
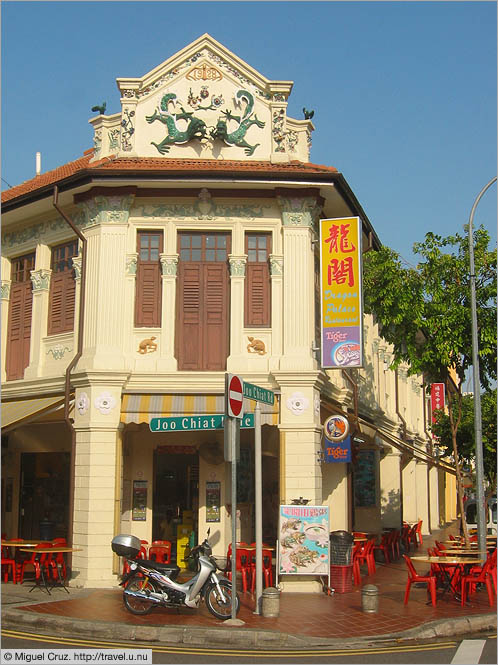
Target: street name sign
(259, 394)
(190, 423)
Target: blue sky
(404, 93)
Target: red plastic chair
(366, 556)
(58, 557)
(481, 577)
(384, 547)
(492, 570)
(405, 537)
(8, 564)
(414, 577)
(267, 569)
(160, 553)
(37, 560)
(356, 564)
(243, 564)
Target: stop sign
(235, 396)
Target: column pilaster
(299, 217)
(96, 485)
(277, 314)
(390, 489)
(40, 280)
(169, 267)
(237, 299)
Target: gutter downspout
(403, 422)
(354, 386)
(74, 361)
(431, 452)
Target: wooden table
(22, 543)
(461, 551)
(459, 562)
(51, 550)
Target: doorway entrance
(202, 303)
(44, 496)
(176, 493)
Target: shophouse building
(195, 254)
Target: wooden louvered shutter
(215, 301)
(62, 289)
(20, 313)
(257, 283)
(148, 286)
(189, 317)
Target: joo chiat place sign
(341, 293)
(191, 423)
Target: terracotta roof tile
(160, 164)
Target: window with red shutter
(202, 301)
(257, 283)
(19, 324)
(148, 285)
(62, 289)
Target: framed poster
(213, 499)
(139, 507)
(304, 540)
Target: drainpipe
(431, 452)
(74, 361)
(354, 387)
(403, 422)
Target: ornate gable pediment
(203, 102)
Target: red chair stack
(243, 564)
(384, 546)
(366, 555)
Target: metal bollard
(270, 605)
(370, 598)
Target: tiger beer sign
(341, 293)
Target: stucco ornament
(82, 404)
(298, 403)
(105, 402)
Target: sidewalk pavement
(305, 619)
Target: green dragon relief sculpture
(237, 137)
(196, 127)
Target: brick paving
(306, 614)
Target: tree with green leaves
(466, 434)
(424, 313)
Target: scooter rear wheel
(138, 605)
(221, 605)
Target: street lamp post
(481, 517)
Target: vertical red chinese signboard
(341, 302)
(437, 399)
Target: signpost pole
(233, 437)
(258, 494)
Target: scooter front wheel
(220, 605)
(138, 605)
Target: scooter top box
(125, 545)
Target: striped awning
(23, 411)
(140, 408)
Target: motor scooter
(150, 584)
